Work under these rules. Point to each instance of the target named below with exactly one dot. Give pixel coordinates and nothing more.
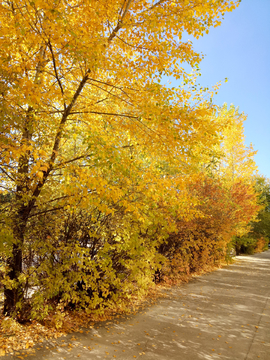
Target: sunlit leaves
(99, 156)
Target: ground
(221, 315)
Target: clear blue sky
(239, 50)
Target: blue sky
(239, 50)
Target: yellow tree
(80, 79)
(223, 190)
(238, 158)
(237, 167)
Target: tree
(225, 201)
(261, 228)
(237, 161)
(236, 166)
(258, 236)
(200, 241)
(80, 92)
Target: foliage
(201, 243)
(258, 237)
(262, 226)
(108, 176)
(224, 203)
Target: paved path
(222, 315)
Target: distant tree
(258, 237)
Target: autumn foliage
(108, 177)
(201, 243)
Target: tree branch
(10, 177)
(120, 22)
(55, 69)
(45, 211)
(69, 161)
(103, 113)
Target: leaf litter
(16, 337)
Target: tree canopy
(100, 163)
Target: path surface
(222, 315)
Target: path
(222, 315)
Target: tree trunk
(13, 296)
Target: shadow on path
(222, 315)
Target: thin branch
(103, 113)
(126, 10)
(113, 86)
(10, 190)
(155, 5)
(121, 10)
(133, 46)
(45, 211)
(55, 199)
(115, 114)
(110, 93)
(10, 177)
(120, 22)
(55, 69)
(101, 100)
(69, 161)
